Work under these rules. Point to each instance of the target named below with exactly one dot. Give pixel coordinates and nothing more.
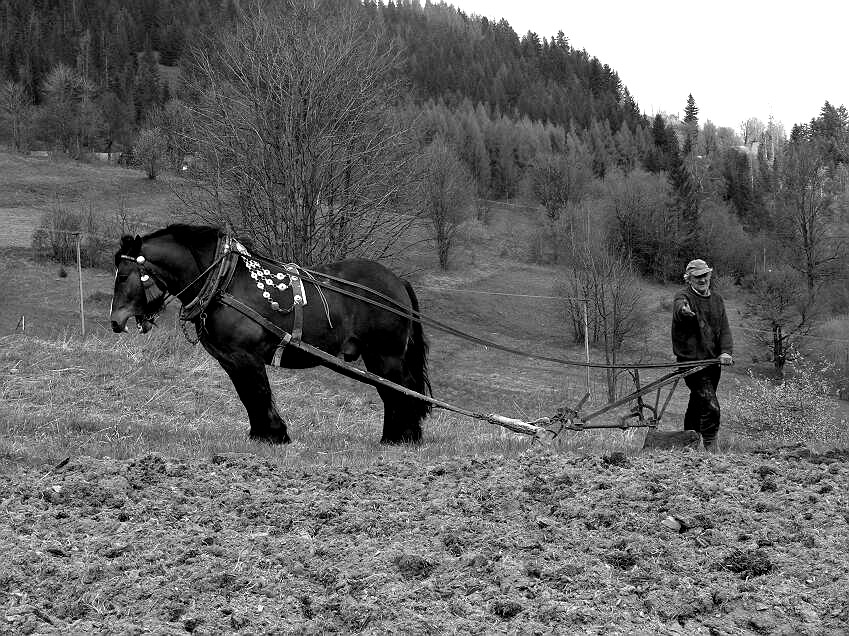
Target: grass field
(186, 405)
(29, 186)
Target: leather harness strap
(285, 337)
(299, 299)
(227, 259)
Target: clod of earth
(748, 563)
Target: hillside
(492, 292)
(448, 55)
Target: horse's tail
(415, 359)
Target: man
(700, 332)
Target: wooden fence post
(80, 273)
(587, 342)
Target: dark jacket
(704, 335)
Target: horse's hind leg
(250, 378)
(400, 423)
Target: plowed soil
(667, 543)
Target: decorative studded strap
(299, 299)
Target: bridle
(153, 293)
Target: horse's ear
(130, 245)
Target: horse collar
(226, 259)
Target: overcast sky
(739, 58)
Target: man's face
(701, 283)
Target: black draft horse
(181, 260)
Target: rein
(417, 316)
(391, 305)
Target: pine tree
(626, 148)
(657, 159)
(602, 146)
(830, 131)
(691, 125)
(147, 91)
(686, 198)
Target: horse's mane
(187, 234)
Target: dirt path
(537, 543)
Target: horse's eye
(122, 277)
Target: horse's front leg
(249, 376)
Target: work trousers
(703, 412)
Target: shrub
(798, 409)
(55, 237)
(150, 151)
(727, 246)
(832, 344)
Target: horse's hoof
(407, 437)
(271, 439)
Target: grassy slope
(29, 186)
(155, 392)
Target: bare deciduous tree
(150, 151)
(779, 304)
(15, 110)
(616, 311)
(294, 135)
(446, 189)
(807, 219)
(70, 115)
(174, 121)
(560, 179)
(644, 225)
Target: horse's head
(135, 294)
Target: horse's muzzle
(117, 328)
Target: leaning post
(77, 235)
(587, 343)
